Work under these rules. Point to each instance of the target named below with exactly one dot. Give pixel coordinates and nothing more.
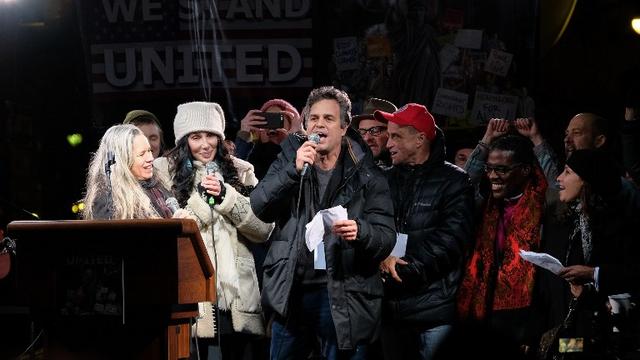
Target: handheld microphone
(111, 159)
(211, 169)
(315, 138)
(172, 204)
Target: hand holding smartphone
(274, 120)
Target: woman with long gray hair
(120, 182)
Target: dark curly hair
(520, 147)
(184, 175)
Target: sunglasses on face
(500, 169)
(373, 131)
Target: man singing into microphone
(339, 303)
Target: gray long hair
(129, 198)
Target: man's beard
(384, 156)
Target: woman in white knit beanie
(214, 186)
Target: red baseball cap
(412, 114)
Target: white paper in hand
(329, 216)
(319, 261)
(543, 260)
(318, 228)
(400, 249)
(322, 223)
(314, 232)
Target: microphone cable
(314, 137)
(216, 321)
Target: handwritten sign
(345, 53)
(450, 103)
(498, 62)
(487, 106)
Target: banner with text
(155, 45)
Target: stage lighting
(74, 139)
(77, 207)
(635, 25)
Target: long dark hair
(181, 166)
(593, 204)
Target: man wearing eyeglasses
(497, 291)
(374, 131)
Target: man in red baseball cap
(412, 120)
(433, 202)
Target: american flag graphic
(140, 46)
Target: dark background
(45, 90)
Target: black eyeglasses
(500, 170)
(373, 131)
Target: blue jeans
(309, 324)
(432, 339)
(403, 342)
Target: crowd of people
(427, 262)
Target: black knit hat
(598, 169)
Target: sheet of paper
(314, 232)
(319, 261)
(318, 228)
(543, 260)
(345, 53)
(498, 62)
(329, 216)
(487, 106)
(450, 103)
(400, 249)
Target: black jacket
(613, 241)
(353, 279)
(434, 206)
(103, 207)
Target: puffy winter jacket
(353, 278)
(433, 205)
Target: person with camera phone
(262, 131)
(272, 120)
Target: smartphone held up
(274, 120)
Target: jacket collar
(437, 154)
(352, 142)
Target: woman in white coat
(214, 187)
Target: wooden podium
(113, 289)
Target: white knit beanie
(198, 116)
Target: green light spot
(74, 139)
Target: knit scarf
(506, 283)
(158, 195)
(582, 229)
